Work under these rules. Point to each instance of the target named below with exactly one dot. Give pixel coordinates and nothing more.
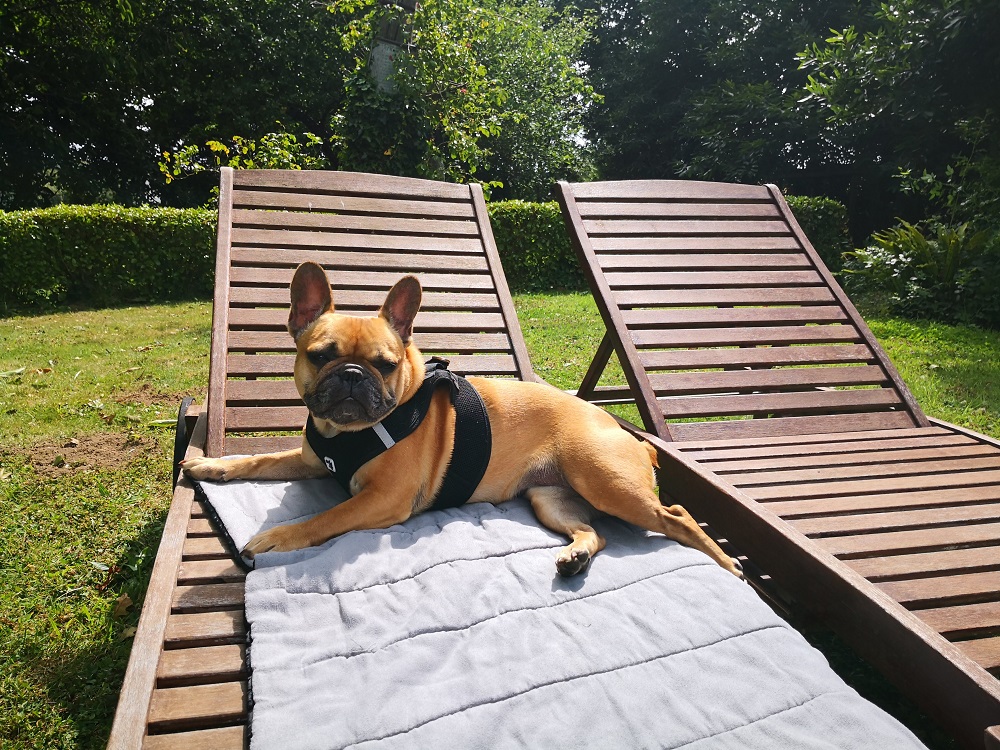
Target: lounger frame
(186, 682)
(718, 306)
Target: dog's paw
(277, 539)
(211, 469)
(738, 569)
(572, 561)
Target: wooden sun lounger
(782, 424)
(186, 683)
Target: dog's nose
(352, 373)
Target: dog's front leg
(369, 509)
(285, 465)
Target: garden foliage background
(889, 109)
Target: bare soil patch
(147, 395)
(99, 450)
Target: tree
(487, 90)
(914, 100)
(91, 93)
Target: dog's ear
(311, 297)
(401, 305)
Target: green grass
(80, 522)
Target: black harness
(346, 452)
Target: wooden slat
(197, 706)
(903, 542)
(606, 245)
(948, 590)
(283, 248)
(201, 527)
(241, 446)
(743, 380)
(769, 403)
(771, 356)
(349, 183)
(749, 336)
(939, 562)
(676, 210)
(353, 299)
(897, 520)
(650, 190)
(856, 456)
(867, 470)
(653, 227)
(806, 295)
(219, 738)
(985, 651)
(204, 548)
(360, 278)
(710, 447)
(876, 486)
(209, 571)
(349, 204)
(209, 596)
(799, 508)
(197, 666)
(277, 319)
(248, 418)
(657, 280)
(332, 222)
(730, 316)
(747, 429)
(703, 262)
(254, 245)
(257, 392)
(962, 621)
(281, 365)
(276, 341)
(334, 260)
(205, 628)
(862, 443)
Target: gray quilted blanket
(453, 630)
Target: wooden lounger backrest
(367, 231)
(723, 314)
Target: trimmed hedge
(534, 246)
(110, 255)
(105, 255)
(824, 221)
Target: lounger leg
(565, 512)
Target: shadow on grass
(84, 680)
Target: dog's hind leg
(562, 510)
(618, 480)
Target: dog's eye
(385, 366)
(320, 357)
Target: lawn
(87, 403)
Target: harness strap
(346, 452)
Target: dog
(570, 458)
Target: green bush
(534, 246)
(824, 222)
(104, 255)
(939, 272)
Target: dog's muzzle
(348, 393)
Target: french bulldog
(570, 458)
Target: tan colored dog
(569, 457)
